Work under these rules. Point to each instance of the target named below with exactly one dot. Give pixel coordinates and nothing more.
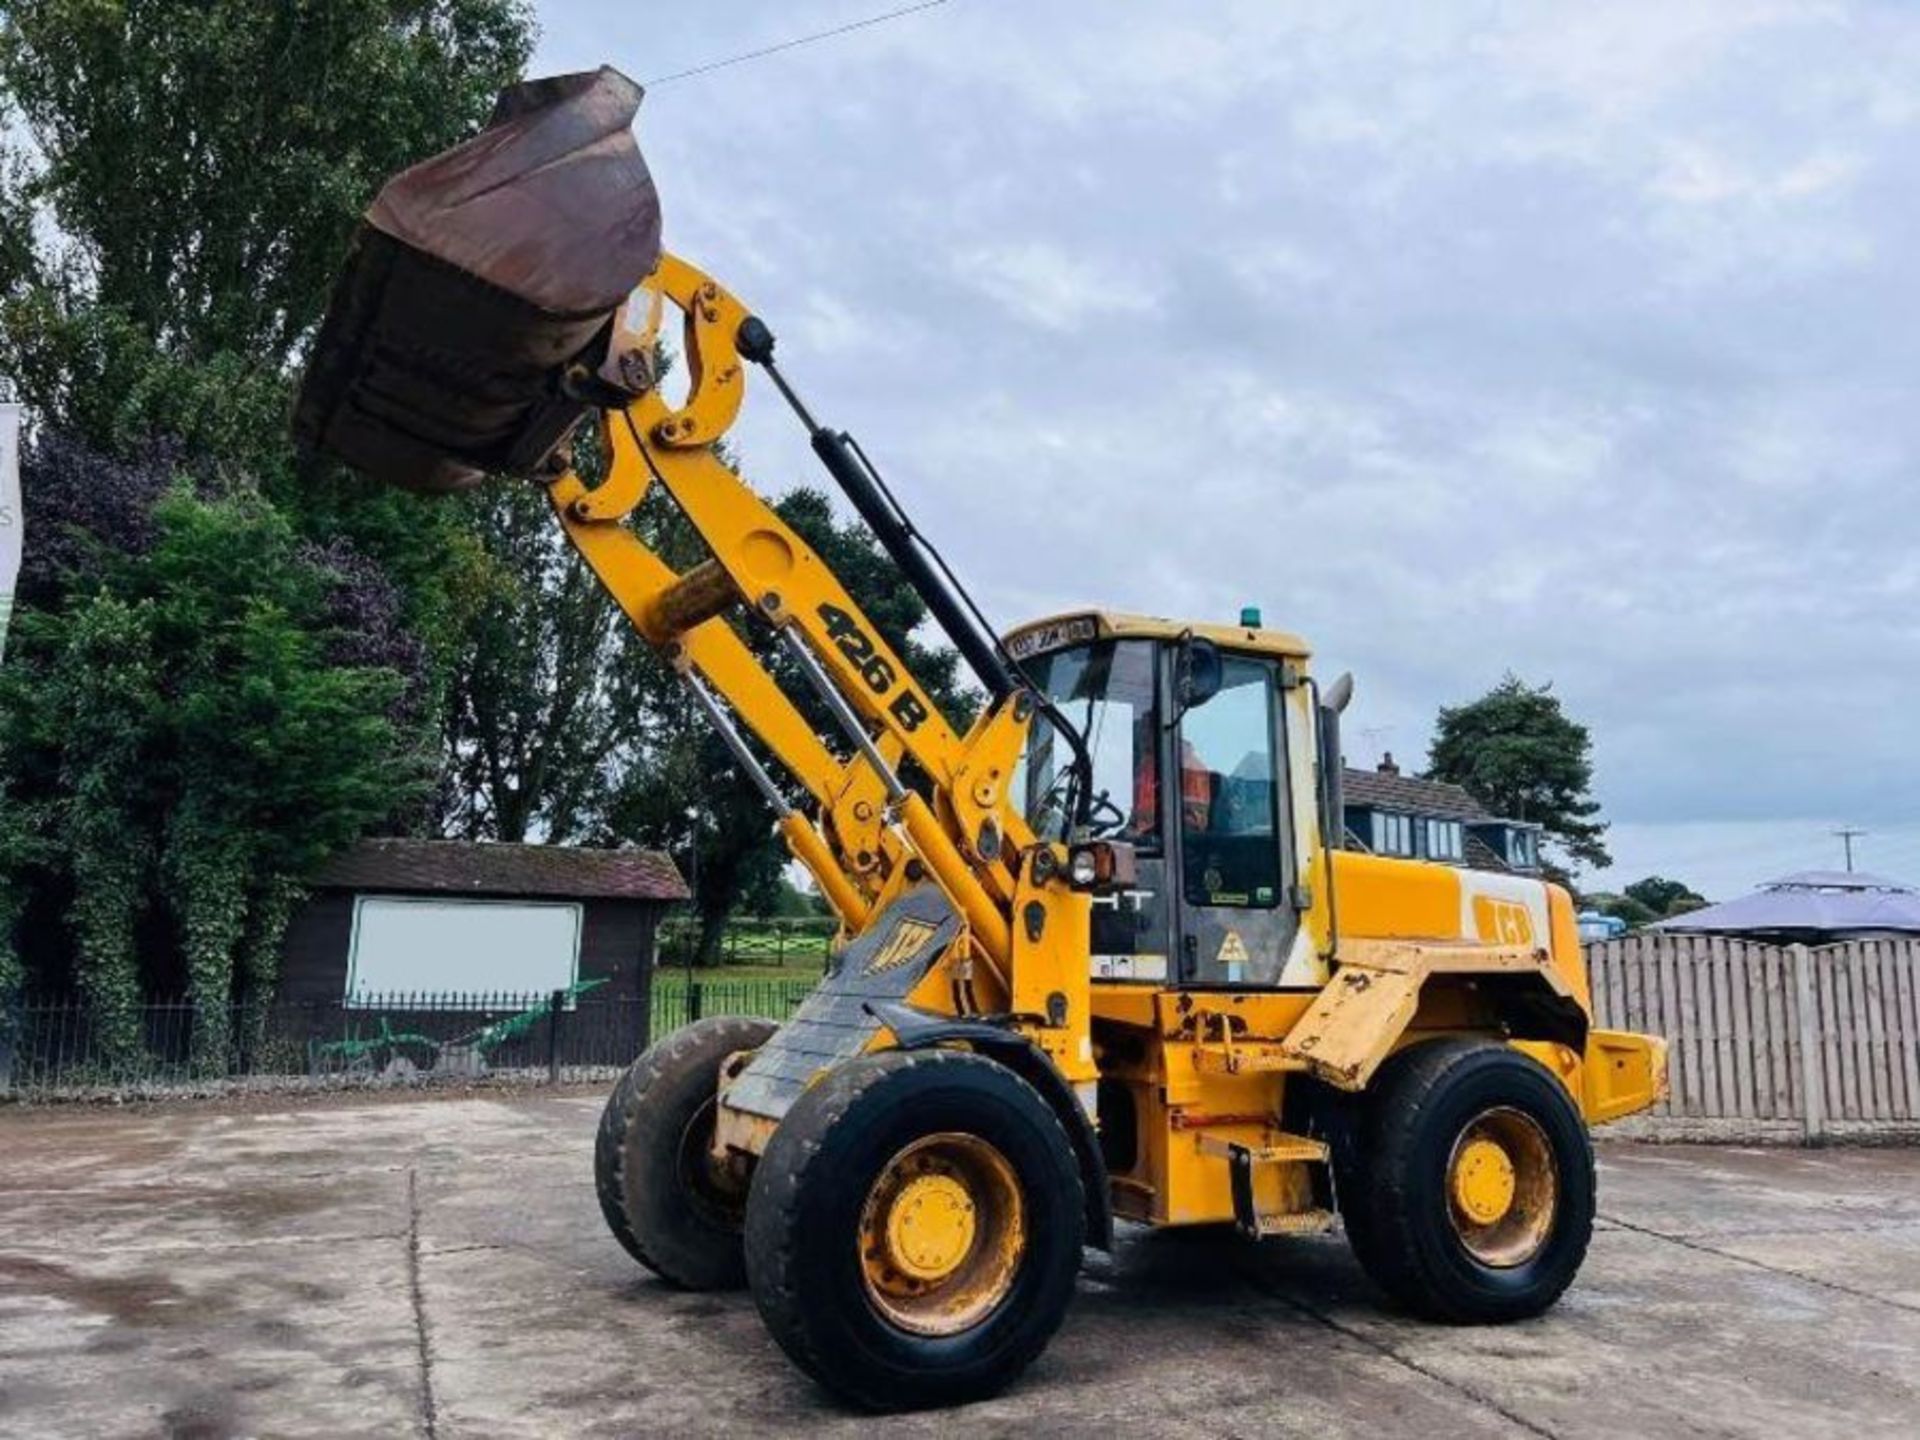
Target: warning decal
(1232, 951)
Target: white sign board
(11, 520)
(424, 948)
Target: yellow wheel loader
(1103, 955)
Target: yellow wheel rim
(1503, 1190)
(1483, 1187)
(942, 1234)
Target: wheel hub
(942, 1234)
(1502, 1187)
(930, 1227)
(1483, 1184)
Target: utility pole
(1847, 836)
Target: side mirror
(1197, 674)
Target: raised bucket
(475, 280)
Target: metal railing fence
(53, 1045)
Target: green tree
(278, 749)
(790, 902)
(205, 160)
(216, 685)
(532, 731)
(210, 735)
(100, 702)
(191, 173)
(1519, 754)
(1665, 897)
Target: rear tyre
(914, 1229)
(1478, 1195)
(666, 1202)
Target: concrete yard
(389, 1265)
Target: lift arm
(869, 828)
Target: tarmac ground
(386, 1265)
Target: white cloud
(1044, 285)
(1570, 339)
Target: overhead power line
(795, 43)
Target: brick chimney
(1387, 766)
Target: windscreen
(1106, 690)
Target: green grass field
(797, 971)
(775, 947)
(768, 991)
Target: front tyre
(1479, 1189)
(666, 1201)
(914, 1229)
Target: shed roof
(465, 867)
(1817, 902)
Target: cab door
(1232, 833)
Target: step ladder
(1278, 1147)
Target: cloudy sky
(1574, 340)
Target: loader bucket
(475, 279)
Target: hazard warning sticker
(1233, 950)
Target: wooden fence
(1772, 1040)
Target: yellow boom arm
(868, 829)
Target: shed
(1810, 907)
(451, 917)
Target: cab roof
(1078, 627)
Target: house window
(423, 949)
(1392, 834)
(1444, 840)
(1525, 849)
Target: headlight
(1083, 870)
(1103, 865)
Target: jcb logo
(1505, 922)
(900, 947)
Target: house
(1810, 907)
(427, 919)
(1388, 813)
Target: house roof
(1481, 856)
(1386, 790)
(1822, 902)
(464, 867)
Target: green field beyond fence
(677, 1003)
(797, 944)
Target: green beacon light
(1250, 616)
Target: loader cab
(1203, 760)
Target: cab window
(1230, 852)
(1106, 690)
